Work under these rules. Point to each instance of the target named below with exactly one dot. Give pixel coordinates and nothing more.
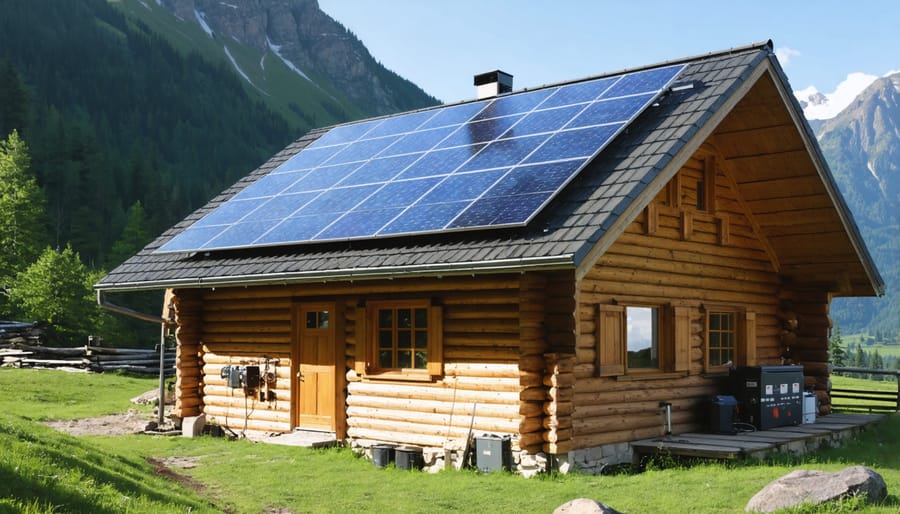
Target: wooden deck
(828, 430)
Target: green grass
(45, 471)
(42, 395)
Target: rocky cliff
(317, 46)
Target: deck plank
(752, 443)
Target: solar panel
(483, 164)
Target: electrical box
(251, 377)
(769, 396)
(493, 453)
(233, 376)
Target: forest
(105, 145)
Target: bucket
(408, 457)
(382, 455)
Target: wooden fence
(92, 358)
(868, 400)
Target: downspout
(103, 303)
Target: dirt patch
(163, 467)
(132, 422)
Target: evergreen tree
(21, 212)
(57, 290)
(836, 347)
(134, 236)
(13, 100)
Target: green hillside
(304, 104)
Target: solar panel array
(484, 164)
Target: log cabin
(548, 265)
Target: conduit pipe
(105, 304)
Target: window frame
(744, 350)
(673, 337)
(434, 365)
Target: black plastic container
(408, 457)
(382, 455)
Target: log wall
(494, 341)
(673, 254)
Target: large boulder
(584, 506)
(818, 487)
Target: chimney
(492, 83)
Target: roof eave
(824, 172)
(544, 263)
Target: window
(730, 337)
(640, 340)
(642, 337)
(722, 332)
(403, 340)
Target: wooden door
(315, 370)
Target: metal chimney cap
(493, 83)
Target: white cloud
(785, 54)
(822, 106)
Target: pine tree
(21, 209)
(836, 347)
(13, 100)
(134, 236)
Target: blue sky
(441, 44)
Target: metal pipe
(105, 304)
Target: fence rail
(871, 400)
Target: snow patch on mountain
(201, 19)
(276, 49)
(237, 67)
(822, 106)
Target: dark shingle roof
(559, 237)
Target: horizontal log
(438, 422)
(390, 436)
(555, 436)
(438, 391)
(251, 403)
(103, 350)
(559, 408)
(560, 380)
(409, 431)
(233, 414)
(651, 395)
(561, 394)
(243, 339)
(554, 422)
(527, 425)
(599, 425)
(281, 351)
(559, 448)
(460, 410)
(643, 407)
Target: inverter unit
(769, 396)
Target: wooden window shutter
(610, 340)
(681, 318)
(363, 345)
(747, 345)
(435, 341)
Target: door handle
(300, 376)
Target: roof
(570, 232)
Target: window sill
(399, 376)
(651, 375)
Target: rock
(584, 506)
(818, 487)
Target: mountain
(862, 146)
(289, 54)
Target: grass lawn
(42, 470)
